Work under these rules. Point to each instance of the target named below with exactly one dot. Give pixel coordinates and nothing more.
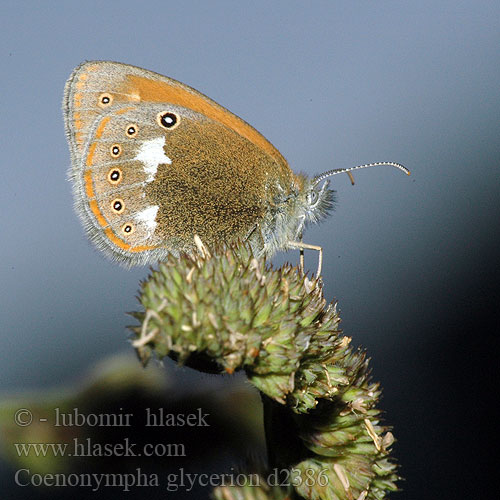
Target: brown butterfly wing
(146, 193)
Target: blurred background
(412, 261)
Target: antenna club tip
(408, 172)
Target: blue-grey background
(412, 261)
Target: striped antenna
(336, 171)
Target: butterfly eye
(105, 100)
(115, 176)
(313, 197)
(127, 228)
(167, 120)
(115, 150)
(132, 129)
(118, 206)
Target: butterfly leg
(261, 236)
(256, 237)
(301, 246)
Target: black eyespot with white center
(105, 100)
(168, 120)
(115, 176)
(118, 206)
(127, 228)
(115, 150)
(132, 129)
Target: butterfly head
(316, 200)
(319, 200)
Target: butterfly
(156, 163)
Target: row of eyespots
(118, 206)
(115, 174)
(165, 119)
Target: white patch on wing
(147, 217)
(152, 154)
